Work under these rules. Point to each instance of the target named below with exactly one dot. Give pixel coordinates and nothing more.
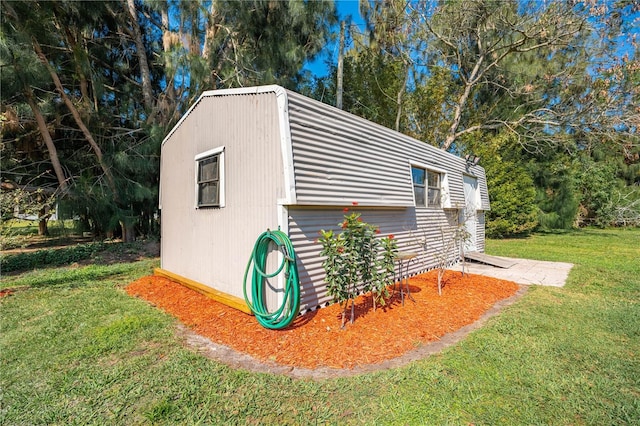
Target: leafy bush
(512, 196)
(355, 257)
(557, 195)
(49, 257)
(512, 191)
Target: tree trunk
(168, 105)
(457, 116)
(145, 74)
(43, 229)
(46, 136)
(81, 125)
(76, 116)
(210, 30)
(401, 95)
(128, 231)
(43, 217)
(340, 67)
(84, 83)
(462, 101)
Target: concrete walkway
(525, 271)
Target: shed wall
(480, 230)
(409, 226)
(340, 158)
(213, 245)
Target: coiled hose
(290, 306)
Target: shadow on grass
(74, 277)
(575, 232)
(91, 253)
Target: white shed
(242, 161)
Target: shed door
(470, 216)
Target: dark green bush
(512, 191)
(49, 257)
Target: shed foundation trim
(218, 296)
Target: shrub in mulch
(316, 339)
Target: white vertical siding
(480, 232)
(212, 245)
(482, 184)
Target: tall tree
(476, 40)
(112, 78)
(553, 83)
(392, 33)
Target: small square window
(427, 187)
(208, 181)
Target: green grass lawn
(76, 349)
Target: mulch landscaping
(316, 340)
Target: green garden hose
(290, 306)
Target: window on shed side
(209, 181)
(427, 187)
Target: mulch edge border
(236, 359)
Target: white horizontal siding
(408, 225)
(340, 158)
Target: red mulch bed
(316, 340)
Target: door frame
(470, 211)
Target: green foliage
(49, 257)
(29, 203)
(128, 91)
(556, 179)
(512, 192)
(532, 71)
(277, 38)
(607, 189)
(426, 119)
(597, 184)
(98, 252)
(372, 86)
(355, 260)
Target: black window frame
(202, 183)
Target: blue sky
(318, 67)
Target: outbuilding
(245, 160)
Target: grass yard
(76, 349)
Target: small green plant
(445, 253)
(357, 259)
